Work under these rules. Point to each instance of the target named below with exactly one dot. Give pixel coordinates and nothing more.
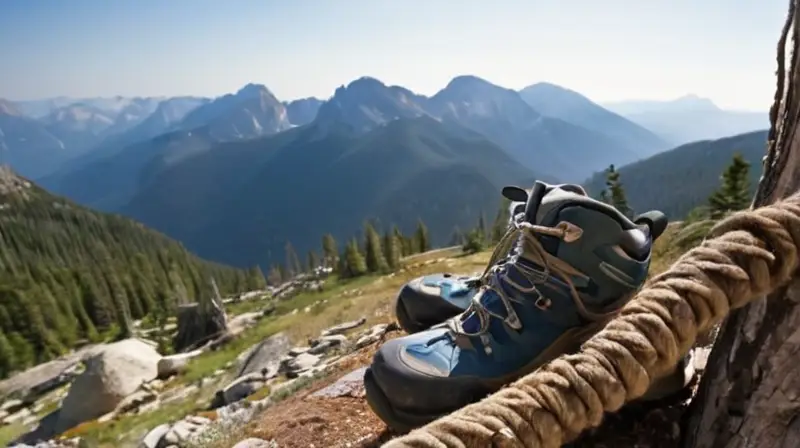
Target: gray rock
(18, 417)
(341, 328)
(12, 406)
(301, 363)
(175, 364)
(265, 357)
(350, 385)
(135, 400)
(298, 351)
(111, 375)
(242, 388)
(372, 336)
(256, 443)
(155, 435)
(180, 432)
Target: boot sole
(404, 421)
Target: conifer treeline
(69, 274)
(373, 253)
(732, 195)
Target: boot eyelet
(543, 303)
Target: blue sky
(608, 50)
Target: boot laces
(525, 236)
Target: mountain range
(689, 118)
(237, 177)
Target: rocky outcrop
(265, 356)
(111, 375)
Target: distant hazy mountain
(79, 126)
(166, 117)
(302, 111)
(547, 144)
(127, 113)
(107, 179)
(681, 179)
(26, 144)
(112, 106)
(242, 201)
(559, 102)
(251, 112)
(689, 118)
(367, 103)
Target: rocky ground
(296, 383)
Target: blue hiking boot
(570, 264)
(432, 299)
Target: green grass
(333, 287)
(247, 306)
(206, 364)
(110, 434)
(10, 433)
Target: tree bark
(750, 393)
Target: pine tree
(482, 226)
(330, 251)
(255, 279)
(355, 265)
(372, 250)
(275, 277)
(313, 261)
(422, 237)
(8, 359)
(457, 238)
(734, 191)
(614, 194)
(473, 242)
(402, 242)
(391, 250)
(293, 267)
(500, 224)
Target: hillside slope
(241, 202)
(681, 179)
(68, 273)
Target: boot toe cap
(414, 379)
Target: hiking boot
(432, 299)
(570, 263)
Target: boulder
(242, 387)
(112, 374)
(265, 357)
(152, 439)
(294, 366)
(175, 364)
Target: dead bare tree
(750, 393)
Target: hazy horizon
(611, 51)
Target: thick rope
(745, 257)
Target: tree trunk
(750, 393)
